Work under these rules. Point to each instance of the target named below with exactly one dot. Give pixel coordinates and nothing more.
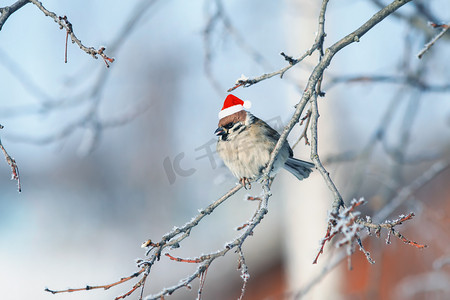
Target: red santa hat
(233, 104)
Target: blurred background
(109, 158)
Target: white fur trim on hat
(230, 110)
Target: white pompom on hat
(233, 104)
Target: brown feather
(234, 118)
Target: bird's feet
(245, 182)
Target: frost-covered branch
(104, 287)
(206, 260)
(317, 46)
(7, 11)
(91, 93)
(390, 227)
(63, 22)
(427, 47)
(342, 221)
(12, 163)
(338, 202)
(405, 194)
(313, 86)
(349, 224)
(174, 238)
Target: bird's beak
(220, 131)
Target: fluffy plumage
(245, 144)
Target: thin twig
(207, 259)
(390, 226)
(12, 163)
(64, 23)
(343, 222)
(90, 287)
(245, 275)
(92, 95)
(311, 92)
(353, 37)
(407, 80)
(403, 195)
(338, 202)
(427, 47)
(7, 11)
(318, 43)
(168, 239)
(304, 134)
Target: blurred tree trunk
(308, 201)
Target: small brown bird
(246, 142)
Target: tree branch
(207, 259)
(338, 202)
(7, 11)
(427, 47)
(311, 92)
(402, 196)
(318, 44)
(12, 163)
(318, 71)
(64, 23)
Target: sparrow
(246, 142)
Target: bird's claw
(245, 182)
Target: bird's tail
(299, 168)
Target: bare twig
(187, 260)
(245, 275)
(318, 44)
(324, 63)
(7, 11)
(338, 202)
(172, 239)
(427, 47)
(219, 16)
(405, 80)
(105, 286)
(207, 259)
(64, 23)
(403, 195)
(311, 92)
(304, 134)
(12, 163)
(202, 283)
(345, 223)
(92, 95)
(390, 226)
(68, 31)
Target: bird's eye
(228, 126)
